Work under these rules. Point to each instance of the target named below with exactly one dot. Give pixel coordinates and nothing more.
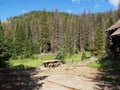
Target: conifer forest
(44, 32)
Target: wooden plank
(52, 61)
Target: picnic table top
(51, 61)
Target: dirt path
(74, 77)
(66, 77)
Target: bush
(83, 56)
(14, 56)
(106, 63)
(61, 55)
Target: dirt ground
(66, 77)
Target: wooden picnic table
(52, 63)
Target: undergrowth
(106, 63)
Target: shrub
(61, 55)
(83, 56)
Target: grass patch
(76, 57)
(37, 60)
(109, 65)
(94, 64)
(73, 58)
(88, 54)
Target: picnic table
(52, 63)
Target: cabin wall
(115, 46)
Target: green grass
(88, 54)
(30, 62)
(109, 65)
(76, 57)
(38, 60)
(94, 64)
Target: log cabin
(113, 33)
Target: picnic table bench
(52, 63)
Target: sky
(11, 8)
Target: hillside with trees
(52, 32)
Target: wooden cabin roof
(117, 32)
(114, 26)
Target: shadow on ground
(109, 78)
(20, 79)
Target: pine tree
(83, 32)
(91, 30)
(44, 33)
(69, 38)
(87, 33)
(98, 42)
(65, 32)
(118, 12)
(5, 51)
(18, 40)
(56, 39)
(35, 29)
(28, 43)
(109, 22)
(74, 34)
(78, 32)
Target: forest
(41, 32)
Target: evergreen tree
(28, 44)
(109, 22)
(44, 33)
(65, 31)
(98, 42)
(78, 32)
(118, 12)
(82, 32)
(18, 40)
(56, 39)
(5, 51)
(74, 34)
(69, 38)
